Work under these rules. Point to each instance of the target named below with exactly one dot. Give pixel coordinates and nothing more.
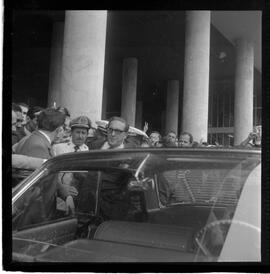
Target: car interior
(128, 223)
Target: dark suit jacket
(36, 145)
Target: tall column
(129, 90)
(243, 102)
(104, 103)
(196, 74)
(56, 64)
(139, 109)
(163, 122)
(172, 107)
(83, 62)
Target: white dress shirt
(107, 146)
(62, 148)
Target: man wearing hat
(79, 131)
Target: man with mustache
(79, 131)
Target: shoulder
(60, 145)
(61, 148)
(36, 136)
(84, 147)
(105, 145)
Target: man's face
(35, 117)
(24, 112)
(116, 133)
(184, 141)
(14, 120)
(19, 119)
(171, 137)
(154, 137)
(78, 136)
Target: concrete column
(172, 106)
(243, 102)
(56, 64)
(163, 123)
(196, 74)
(104, 103)
(139, 109)
(129, 90)
(83, 62)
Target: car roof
(157, 151)
(141, 153)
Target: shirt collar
(46, 136)
(73, 145)
(107, 146)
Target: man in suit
(117, 132)
(38, 144)
(114, 198)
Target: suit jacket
(26, 162)
(35, 145)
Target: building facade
(195, 71)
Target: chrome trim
(28, 185)
(140, 167)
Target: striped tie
(76, 148)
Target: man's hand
(70, 207)
(72, 191)
(145, 128)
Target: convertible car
(141, 205)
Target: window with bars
(221, 113)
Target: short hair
(23, 104)
(116, 118)
(159, 135)
(32, 110)
(50, 119)
(64, 110)
(16, 107)
(189, 134)
(171, 131)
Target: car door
(40, 220)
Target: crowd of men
(44, 133)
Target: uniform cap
(81, 121)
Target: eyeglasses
(117, 131)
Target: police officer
(79, 131)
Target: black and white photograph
(136, 136)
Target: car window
(45, 200)
(203, 184)
(216, 186)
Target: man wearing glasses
(117, 132)
(114, 199)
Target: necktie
(76, 148)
